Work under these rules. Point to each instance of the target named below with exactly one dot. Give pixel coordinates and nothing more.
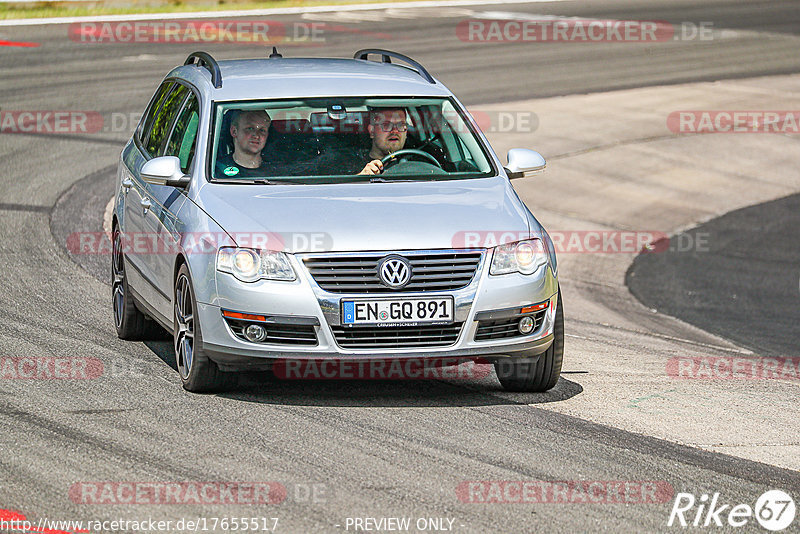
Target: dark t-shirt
(324, 164)
(356, 164)
(228, 168)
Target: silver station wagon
(328, 210)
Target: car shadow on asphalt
(265, 388)
(473, 386)
(164, 350)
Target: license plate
(397, 311)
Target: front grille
(359, 273)
(397, 336)
(282, 334)
(506, 328)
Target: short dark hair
(237, 115)
(373, 112)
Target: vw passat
(313, 209)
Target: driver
(388, 129)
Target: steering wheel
(393, 158)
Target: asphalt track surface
(378, 448)
(747, 275)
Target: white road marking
(107, 215)
(391, 13)
(140, 57)
(263, 12)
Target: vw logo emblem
(395, 272)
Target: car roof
(248, 79)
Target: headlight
(249, 265)
(520, 257)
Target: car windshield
(326, 140)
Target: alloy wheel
(184, 319)
(118, 280)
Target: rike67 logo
(774, 510)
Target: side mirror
(165, 170)
(522, 160)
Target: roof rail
(205, 60)
(386, 57)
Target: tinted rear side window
(155, 105)
(182, 141)
(164, 118)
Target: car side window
(182, 141)
(164, 119)
(155, 105)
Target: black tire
(198, 373)
(541, 375)
(130, 322)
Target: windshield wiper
(254, 181)
(382, 180)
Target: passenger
(249, 130)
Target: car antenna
(275, 53)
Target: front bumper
(303, 298)
(233, 359)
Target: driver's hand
(373, 167)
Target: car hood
(369, 216)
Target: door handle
(127, 183)
(146, 205)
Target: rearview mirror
(522, 160)
(165, 170)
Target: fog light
(526, 325)
(255, 333)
